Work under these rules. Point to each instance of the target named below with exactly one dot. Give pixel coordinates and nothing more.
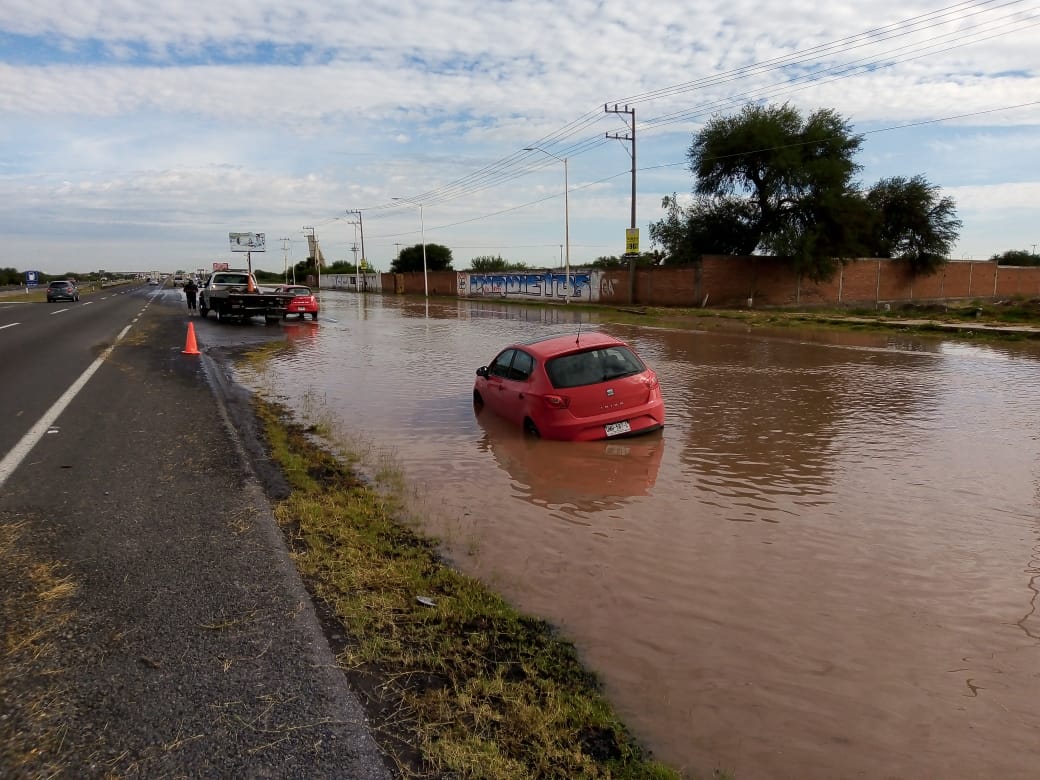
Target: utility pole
(285, 259)
(361, 225)
(313, 236)
(633, 235)
(629, 136)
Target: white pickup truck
(235, 294)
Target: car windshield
(61, 284)
(231, 279)
(593, 366)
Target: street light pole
(566, 216)
(422, 233)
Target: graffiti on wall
(537, 285)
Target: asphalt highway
(188, 645)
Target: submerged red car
(303, 304)
(577, 387)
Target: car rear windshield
(593, 366)
(231, 279)
(61, 285)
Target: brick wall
(768, 281)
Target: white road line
(87, 303)
(59, 311)
(17, 454)
(9, 326)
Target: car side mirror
(482, 371)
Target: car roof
(548, 346)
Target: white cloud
(194, 118)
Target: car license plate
(301, 308)
(615, 428)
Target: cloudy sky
(137, 135)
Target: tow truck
(236, 295)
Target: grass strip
(457, 682)
(34, 609)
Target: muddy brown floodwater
(825, 566)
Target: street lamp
(566, 214)
(422, 232)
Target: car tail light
(650, 380)
(557, 401)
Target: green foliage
(710, 226)
(1016, 257)
(643, 260)
(490, 263)
(438, 258)
(770, 181)
(348, 267)
(912, 222)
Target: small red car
(303, 304)
(577, 387)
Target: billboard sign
(32, 278)
(247, 242)
(220, 266)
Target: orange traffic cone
(250, 287)
(189, 346)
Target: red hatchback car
(303, 304)
(576, 387)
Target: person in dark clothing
(191, 291)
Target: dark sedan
(64, 290)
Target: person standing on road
(191, 290)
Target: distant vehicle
(303, 303)
(153, 281)
(576, 387)
(179, 281)
(64, 290)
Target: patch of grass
(33, 610)
(457, 682)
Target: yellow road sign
(632, 241)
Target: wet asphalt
(192, 648)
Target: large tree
(912, 222)
(438, 258)
(770, 181)
(768, 173)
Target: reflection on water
(578, 477)
(825, 566)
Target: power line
(513, 165)
(619, 174)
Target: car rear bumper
(566, 427)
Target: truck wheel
(220, 315)
(271, 318)
(203, 311)
(314, 315)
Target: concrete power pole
(285, 260)
(361, 225)
(629, 136)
